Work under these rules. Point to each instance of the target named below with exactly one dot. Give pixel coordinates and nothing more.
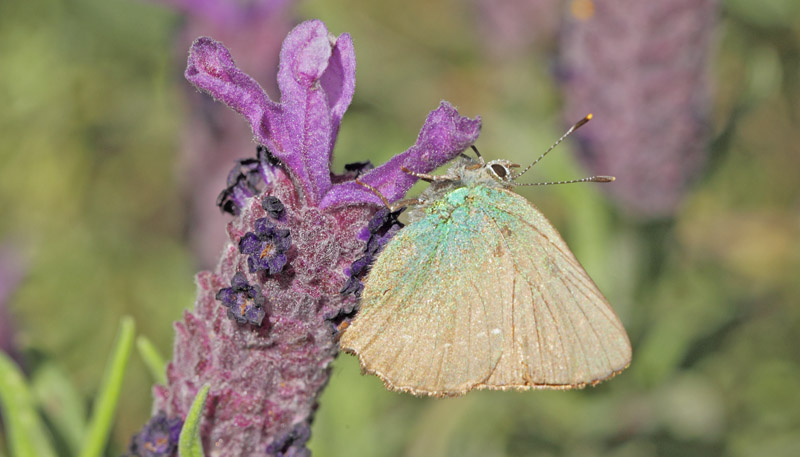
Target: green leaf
(61, 403)
(25, 432)
(153, 359)
(106, 403)
(190, 444)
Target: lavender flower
(265, 379)
(266, 247)
(641, 68)
(244, 302)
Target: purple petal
(444, 135)
(257, 263)
(282, 240)
(212, 70)
(339, 81)
(239, 281)
(255, 315)
(307, 115)
(227, 296)
(250, 244)
(263, 226)
(277, 263)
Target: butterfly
(479, 291)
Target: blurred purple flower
(214, 137)
(228, 13)
(511, 27)
(265, 379)
(641, 68)
(11, 273)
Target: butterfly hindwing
(564, 332)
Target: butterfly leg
(396, 206)
(426, 177)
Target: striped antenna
(577, 125)
(589, 179)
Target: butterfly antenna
(589, 179)
(577, 125)
(477, 153)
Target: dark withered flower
(379, 230)
(273, 206)
(249, 177)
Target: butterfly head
(500, 171)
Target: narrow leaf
(153, 359)
(61, 403)
(24, 430)
(106, 403)
(190, 444)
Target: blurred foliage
(89, 135)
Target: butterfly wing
(483, 293)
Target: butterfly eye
(499, 170)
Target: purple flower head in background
(214, 136)
(296, 239)
(641, 68)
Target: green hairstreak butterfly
(479, 291)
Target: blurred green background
(93, 109)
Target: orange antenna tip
(582, 122)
